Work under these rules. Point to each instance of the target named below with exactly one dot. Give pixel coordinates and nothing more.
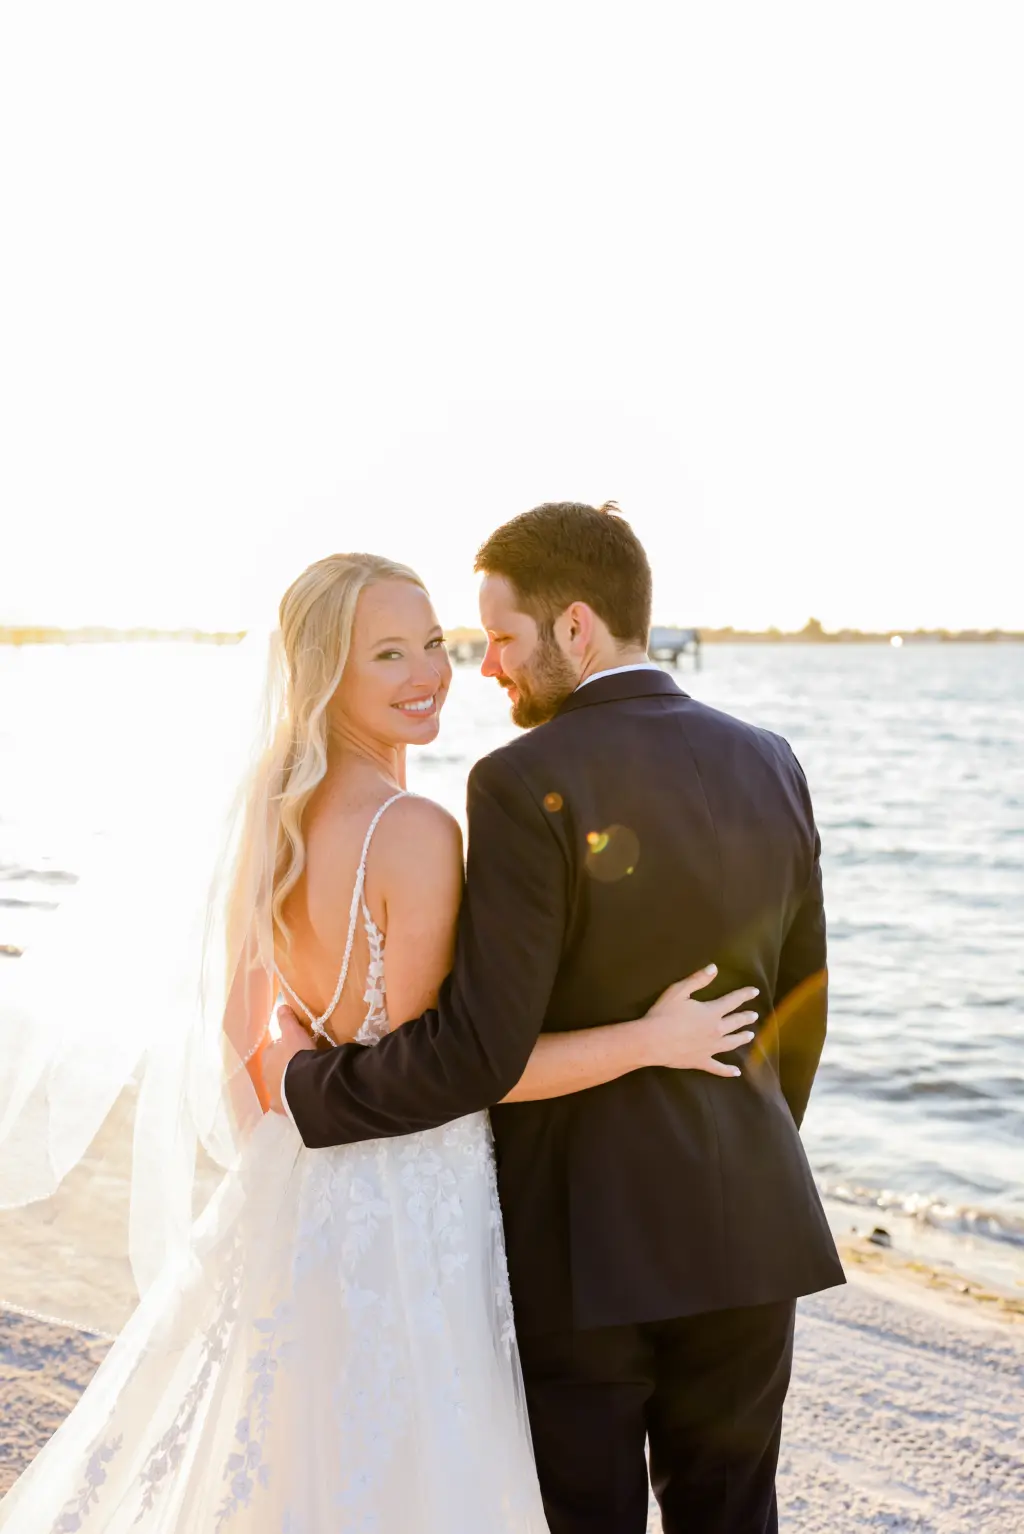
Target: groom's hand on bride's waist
(277, 1054)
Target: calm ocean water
(916, 761)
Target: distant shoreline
(812, 633)
(32, 636)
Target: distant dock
(671, 644)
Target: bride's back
(317, 910)
(412, 852)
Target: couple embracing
(491, 1097)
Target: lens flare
(612, 854)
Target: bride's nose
(429, 672)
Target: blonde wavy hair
(308, 655)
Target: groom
(660, 1227)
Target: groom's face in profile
(526, 661)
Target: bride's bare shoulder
(415, 855)
(415, 868)
(416, 829)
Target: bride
(329, 1343)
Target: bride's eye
(437, 644)
(390, 655)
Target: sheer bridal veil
(126, 1027)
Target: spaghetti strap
(317, 1023)
(361, 878)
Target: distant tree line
(813, 632)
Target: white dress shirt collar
(640, 665)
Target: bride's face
(398, 672)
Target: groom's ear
(578, 619)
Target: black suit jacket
(634, 838)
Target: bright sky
(283, 280)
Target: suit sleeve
(472, 1049)
(802, 990)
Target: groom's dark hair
(564, 552)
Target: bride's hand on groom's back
(686, 1034)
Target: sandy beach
(906, 1409)
(905, 1414)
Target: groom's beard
(543, 685)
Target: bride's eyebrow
(403, 638)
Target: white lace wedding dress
(339, 1355)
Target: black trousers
(704, 1392)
